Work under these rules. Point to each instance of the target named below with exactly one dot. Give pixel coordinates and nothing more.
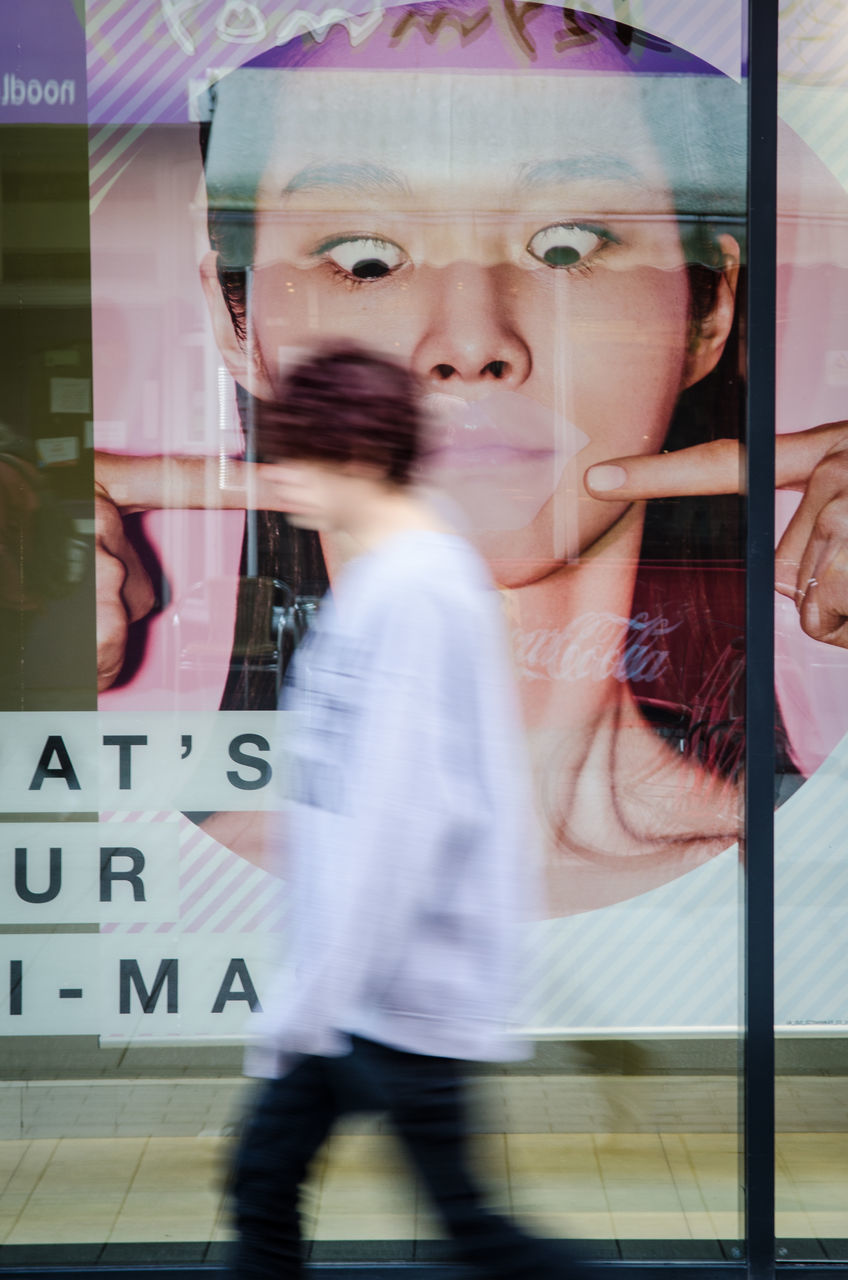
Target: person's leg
(284, 1131)
(427, 1104)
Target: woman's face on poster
(513, 238)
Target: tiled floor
(586, 1103)
(626, 1186)
(122, 1163)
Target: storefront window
(543, 210)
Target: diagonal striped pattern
(664, 962)
(811, 896)
(813, 42)
(111, 150)
(819, 115)
(219, 892)
(813, 77)
(667, 959)
(137, 71)
(142, 54)
(712, 31)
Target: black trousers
(425, 1099)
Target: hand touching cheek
(812, 555)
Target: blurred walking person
(408, 838)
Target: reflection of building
(45, 367)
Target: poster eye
(365, 257)
(565, 245)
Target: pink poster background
(160, 387)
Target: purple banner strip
(42, 63)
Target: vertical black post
(760, 706)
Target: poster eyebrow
(362, 176)
(573, 168)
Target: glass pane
(812, 639)
(543, 212)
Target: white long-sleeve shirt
(409, 836)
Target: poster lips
(500, 455)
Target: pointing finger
(714, 467)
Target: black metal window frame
(758, 1088)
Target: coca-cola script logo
(596, 646)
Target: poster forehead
(479, 130)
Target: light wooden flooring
(631, 1186)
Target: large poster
(542, 210)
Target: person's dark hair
(345, 403)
